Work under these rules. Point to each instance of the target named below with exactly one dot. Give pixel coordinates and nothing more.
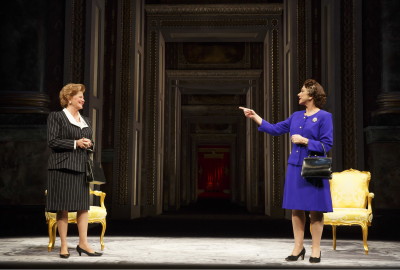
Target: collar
(81, 124)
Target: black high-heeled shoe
(81, 250)
(315, 259)
(64, 256)
(296, 257)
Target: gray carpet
(195, 252)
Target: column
(383, 135)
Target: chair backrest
(349, 188)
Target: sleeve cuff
(74, 144)
(262, 126)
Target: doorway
(207, 138)
(213, 163)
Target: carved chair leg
(54, 232)
(52, 225)
(103, 224)
(334, 236)
(364, 228)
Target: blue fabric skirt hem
(306, 194)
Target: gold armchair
(97, 214)
(350, 198)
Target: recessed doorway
(213, 162)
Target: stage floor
(195, 252)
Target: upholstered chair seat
(349, 215)
(97, 214)
(351, 202)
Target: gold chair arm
(370, 197)
(100, 194)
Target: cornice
(253, 9)
(214, 73)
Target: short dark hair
(316, 91)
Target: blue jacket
(317, 128)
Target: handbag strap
(323, 147)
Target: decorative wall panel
(349, 87)
(123, 127)
(278, 177)
(302, 42)
(127, 164)
(74, 63)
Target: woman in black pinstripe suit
(69, 136)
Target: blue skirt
(306, 194)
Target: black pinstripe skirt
(66, 190)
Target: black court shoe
(295, 258)
(64, 256)
(81, 250)
(315, 259)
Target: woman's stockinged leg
(298, 223)
(317, 226)
(82, 221)
(62, 225)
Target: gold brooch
(314, 119)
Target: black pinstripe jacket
(60, 138)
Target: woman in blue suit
(69, 137)
(309, 129)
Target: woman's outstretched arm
(249, 113)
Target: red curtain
(213, 168)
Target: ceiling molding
(239, 9)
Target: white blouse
(82, 124)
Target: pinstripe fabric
(60, 138)
(67, 190)
(66, 184)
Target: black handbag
(94, 171)
(317, 167)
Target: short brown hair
(316, 91)
(70, 90)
